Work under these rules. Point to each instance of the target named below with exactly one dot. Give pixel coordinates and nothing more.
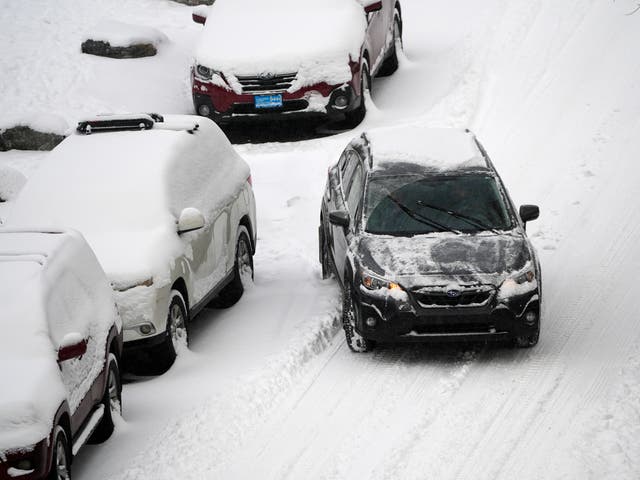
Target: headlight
(374, 283)
(205, 73)
(120, 287)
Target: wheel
(112, 401)
(350, 314)
(356, 116)
(242, 272)
(390, 64)
(61, 461)
(324, 255)
(175, 335)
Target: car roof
(416, 149)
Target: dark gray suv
(420, 232)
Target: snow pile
(41, 122)
(11, 182)
(315, 39)
(433, 148)
(120, 34)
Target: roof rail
(110, 123)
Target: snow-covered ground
(269, 388)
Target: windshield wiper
(421, 218)
(470, 220)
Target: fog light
(204, 110)
(146, 329)
(530, 318)
(341, 101)
(26, 465)
(371, 322)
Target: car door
(376, 36)
(70, 312)
(341, 235)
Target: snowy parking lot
(269, 388)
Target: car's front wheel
(356, 116)
(175, 336)
(390, 64)
(112, 401)
(350, 315)
(61, 461)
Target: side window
(355, 190)
(350, 165)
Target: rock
(105, 49)
(22, 137)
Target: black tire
(355, 117)
(324, 254)
(243, 267)
(350, 315)
(112, 401)
(390, 64)
(61, 458)
(176, 334)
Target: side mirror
(199, 14)
(190, 219)
(73, 345)
(372, 6)
(339, 218)
(529, 212)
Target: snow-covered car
(60, 349)
(418, 228)
(167, 206)
(312, 57)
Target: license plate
(268, 101)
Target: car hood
(32, 392)
(488, 258)
(314, 38)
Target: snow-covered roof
(311, 37)
(35, 269)
(432, 148)
(124, 190)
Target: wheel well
(246, 222)
(181, 286)
(365, 55)
(397, 7)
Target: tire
(112, 401)
(350, 314)
(390, 64)
(176, 336)
(355, 117)
(242, 270)
(61, 459)
(324, 255)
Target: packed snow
(269, 388)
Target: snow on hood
(315, 38)
(442, 255)
(28, 368)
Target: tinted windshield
(411, 205)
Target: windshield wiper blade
(421, 218)
(470, 220)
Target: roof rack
(110, 123)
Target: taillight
(249, 181)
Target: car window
(350, 165)
(355, 190)
(410, 204)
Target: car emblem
(453, 293)
(266, 76)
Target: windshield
(412, 205)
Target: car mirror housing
(199, 14)
(529, 212)
(73, 345)
(190, 219)
(339, 218)
(371, 6)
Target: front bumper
(38, 457)
(222, 105)
(389, 319)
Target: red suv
(282, 57)
(60, 348)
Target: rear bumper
(222, 105)
(406, 322)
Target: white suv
(167, 205)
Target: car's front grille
(287, 106)
(441, 297)
(266, 83)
